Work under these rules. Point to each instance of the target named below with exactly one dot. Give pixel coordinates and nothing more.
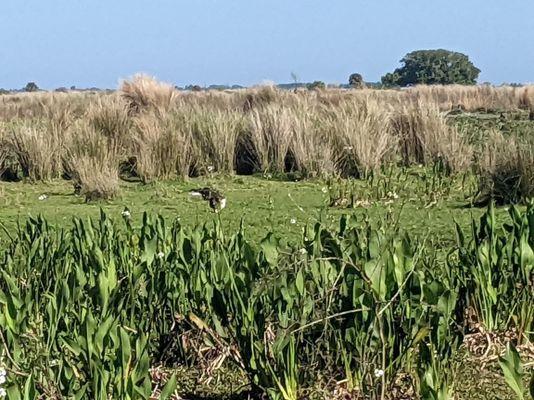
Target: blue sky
(97, 42)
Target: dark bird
(216, 199)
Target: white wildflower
(211, 168)
(3, 372)
(2, 379)
(293, 221)
(43, 197)
(348, 148)
(3, 392)
(324, 189)
(379, 373)
(161, 255)
(126, 214)
(303, 251)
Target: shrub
(356, 81)
(31, 87)
(316, 85)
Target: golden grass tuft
(162, 146)
(506, 172)
(92, 161)
(145, 92)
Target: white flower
(293, 221)
(269, 176)
(348, 148)
(3, 392)
(303, 251)
(210, 168)
(3, 372)
(324, 189)
(43, 197)
(379, 373)
(126, 214)
(161, 254)
(2, 379)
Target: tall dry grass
(162, 146)
(270, 130)
(145, 92)
(361, 135)
(160, 133)
(38, 149)
(92, 161)
(506, 169)
(425, 137)
(311, 148)
(215, 136)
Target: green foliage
(86, 311)
(433, 67)
(356, 81)
(316, 85)
(513, 370)
(497, 269)
(31, 87)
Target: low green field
(422, 207)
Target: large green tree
(433, 67)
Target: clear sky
(96, 42)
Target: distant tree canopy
(31, 87)
(356, 81)
(433, 67)
(316, 85)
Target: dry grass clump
(38, 149)
(145, 92)
(526, 99)
(426, 138)
(311, 149)
(506, 170)
(109, 116)
(261, 96)
(467, 98)
(270, 131)
(162, 146)
(362, 136)
(215, 134)
(92, 161)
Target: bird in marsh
(216, 199)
